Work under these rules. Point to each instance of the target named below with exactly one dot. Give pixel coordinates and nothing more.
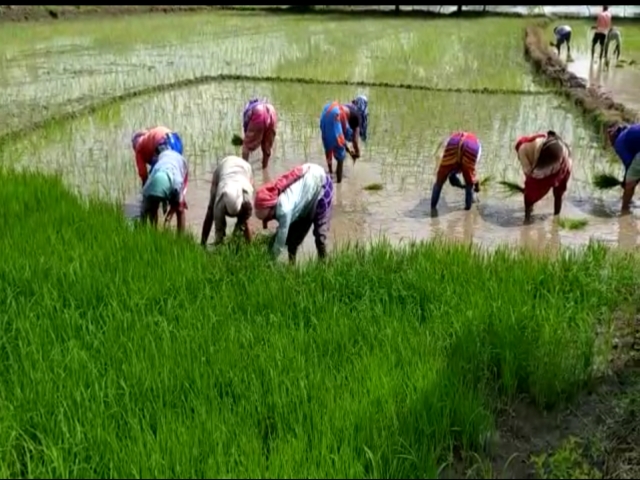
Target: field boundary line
(12, 135)
(597, 105)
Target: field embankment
(600, 108)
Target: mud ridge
(99, 105)
(599, 107)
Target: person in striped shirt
(461, 155)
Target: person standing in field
(602, 27)
(259, 124)
(563, 36)
(625, 140)
(461, 155)
(546, 163)
(614, 36)
(147, 145)
(231, 196)
(167, 184)
(296, 200)
(340, 124)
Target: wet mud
(596, 102)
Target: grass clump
(135, 353)
(606, 181)
(374, 187)
(573, 223)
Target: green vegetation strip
(12, 135)
(133, 353)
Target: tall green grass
(135, 353)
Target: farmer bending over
(231, 196)
(461, 155)
(296, 200)
(147, 145)
(625, 140)
(563, 36)
(546, 164)
(167, 184)
(614, 36)
(259, 124)
(340, 124)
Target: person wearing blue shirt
(625, 140)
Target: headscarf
(246, 113)
(135, 138)
(614, 132)
(233, 196)
(267, 195)
(362, 105)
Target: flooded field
(93, 153)
(127, 353)
(620, 78)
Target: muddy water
(406, 127)
(622, 81)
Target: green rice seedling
(373, 351)
(572, 223)
(374, 187)
(511, 187)
(486, 181)
(236, 140)
(605, 181)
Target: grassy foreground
(133, 353)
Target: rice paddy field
(133, 353)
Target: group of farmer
(297, 200)
(604, 36)
(303, 196)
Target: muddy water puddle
(94, 156)
(621, 80)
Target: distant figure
(259, 123)
(296, 200)
(614, 36)
(461, 155)
(602, 27)
(625, 140)
(546, 164)
(340, 124)
(147, 145)
(167, 184)
(231, 196)
(563, 36)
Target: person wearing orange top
(602, 27)
(148, 144)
